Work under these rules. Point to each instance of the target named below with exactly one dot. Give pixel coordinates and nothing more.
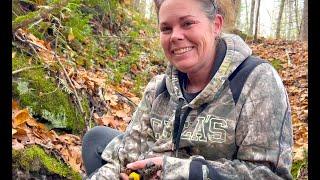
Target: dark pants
(93, 144)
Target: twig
(70, 82)
(90, 118)
(37, 22)
(288, 57)
(49, 92)
(129, 100)
(30, 44)
(34, 51)
(24, 69)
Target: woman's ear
(218, 24)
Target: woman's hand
(144, 165)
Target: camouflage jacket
(249, 139)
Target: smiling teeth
(182, 50)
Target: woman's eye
(188, 23)
(165, 29)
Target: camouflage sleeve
(137, 138)
(263, 136)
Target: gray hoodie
(250, 138)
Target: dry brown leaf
(21, 117)
(136, 100)
(58, 147)
(75, 158)
(127, 109)
(107, 119)
(14, 131)
(52, 135)
(17, 145)
(121, 113)
(15, 105)
(127, 119)
(299, 152)
(20, 132)
(32, 122)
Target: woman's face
(187, 36)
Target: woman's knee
(95, 131)
(98, 133)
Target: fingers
(142, 163)
(138, 164)
(124, 176)
(157, 175)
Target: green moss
(140, 82)
(22, 18)
(78, 26)
(299, 166)
(276, 63)
(36, 89)
(34, 158)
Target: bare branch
(24, 69)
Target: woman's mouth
(179, 51)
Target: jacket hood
(237, 51)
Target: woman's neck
(198, 80)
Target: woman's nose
(176, 35)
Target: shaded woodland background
(77, 64)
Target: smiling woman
(216, 113)
(188, 39)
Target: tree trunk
(279, 19)
(304, 23)
(296, 9)
(253, 3)
(237, 9)
(257, 20)
(247, 17)
(290, 19)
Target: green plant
(276, 63)
(299, 166)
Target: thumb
(124, 176)
(137, 165)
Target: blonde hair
(212, 7)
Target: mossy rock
(34, 163)
(38, 91)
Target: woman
(216, 113)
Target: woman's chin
(184, 67)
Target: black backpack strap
(240, 75)
(161, 87)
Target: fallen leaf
(13, 55)
(21, 117)
(32, 122)
(70, 35)
(136, 100)
(121, 114)
(13, 131)
(17, 145)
